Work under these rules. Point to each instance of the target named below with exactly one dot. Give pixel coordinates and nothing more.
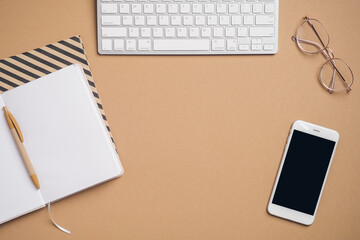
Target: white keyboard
(187, 27)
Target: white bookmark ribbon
(56, 225)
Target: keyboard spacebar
(181, 44)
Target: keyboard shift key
(113, 32)
(262, 31)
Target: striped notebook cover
(28, 66)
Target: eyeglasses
(334, 75)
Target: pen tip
(35, 180)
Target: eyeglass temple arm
(316, 33)
(326, 55)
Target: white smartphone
(303, 170)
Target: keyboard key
(200, 20)
(144, 44)
(197, 8)
(230, 32)
(245, 8)
(257, 8)
(114, 32)
(256, 41)
(185, 8)
(151, 20)
(209, 8)
(175, 20)
(265, 19)
(110, 20)
(182, 32)
(224, 20)
(248, 20)
(145, 32)
(127, 20)
(160, 8)
(181, 44)
(218, 32)
(268, 47)
(188, 20)
(212, 20)
(233, 8)
(194, 32)
(242, 32)
(109, 8)
(262, 31)
(119, 44)
(231, 44)
(139, 20)
(133, 32)
(205, 32)
(236, 20)
(124, 8)
(106, 44)
(221, 8)
(130, 44)
(218, 44)
(158, 32)
(170, 32)
(164, 20)
(269, 7)
(244, 47)
(256, 47)
(173, 8)
(149, 8)
(136, 8)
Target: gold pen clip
(13, 124)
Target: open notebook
(65, 137)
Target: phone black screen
(303, 172)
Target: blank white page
(64, 133)
(18, 195)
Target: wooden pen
(18, 137)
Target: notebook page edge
(24, 213)
(100, 120)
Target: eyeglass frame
(327, 53)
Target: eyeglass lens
(315, 35)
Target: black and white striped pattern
(26, 67)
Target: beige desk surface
(201, 137)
